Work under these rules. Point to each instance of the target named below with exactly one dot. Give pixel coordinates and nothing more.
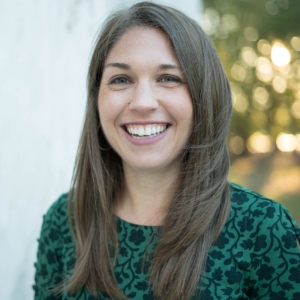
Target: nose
(143, 98)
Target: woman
(151, 212)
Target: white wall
(44, 53)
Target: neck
(146, 196)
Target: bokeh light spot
(213, 16)
(286, 142)
(249, 56)
(279, 84)
(264, 47)
(236, 145)
(261, 97)
(238, 72)
(280, 55)
(260, 143)
(251, 34)
(209, 21)
(231, 22)
(298, 143)
(282, 115)
(240, 103)
(264, 69)
(286, 71)
(271, 8)
(295, 42)
(222, 32)
(295, 109)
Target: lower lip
(147, 141)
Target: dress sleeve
(48, 267)
(276, 261)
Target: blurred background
(45, 49)
(259, 45)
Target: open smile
(138, 131)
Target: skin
(142, 83)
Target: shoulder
(257, 248)
(58, 211)
(255, 205)
(254, 213)
(55, 237)
(243, 196)
(56, 222)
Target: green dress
(255, 257)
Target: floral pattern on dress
(255, 257)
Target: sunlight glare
(280, 55)
(286, 142)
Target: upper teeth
(142, 130)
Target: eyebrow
(127, 67)
(118, 65)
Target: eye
(170, 79)
(119, 80)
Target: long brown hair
(200, 204)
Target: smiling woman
(151, 214)
(143, 90)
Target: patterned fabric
(255, 257)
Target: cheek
(104, 111)
(106, 119)
(185, 114)
(109, 108)
(187, 108)
(183, 109)
(106, 122)
(105, 107)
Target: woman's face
(144, 104)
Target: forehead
(144, 43)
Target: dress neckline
(135, 224)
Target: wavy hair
(200, 205)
